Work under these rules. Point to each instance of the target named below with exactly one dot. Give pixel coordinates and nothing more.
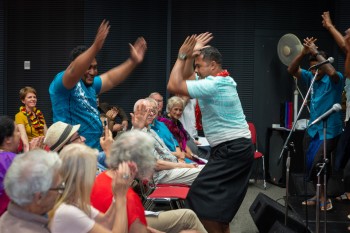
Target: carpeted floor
(243, 222)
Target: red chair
(172, 194)
(257, 155)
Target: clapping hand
(101, 35)
(106, 141)
(201, 41)
(123, 177)
(347, 39)
(37, 143)
(309, 45)
(138, 50)
(188, 46)
(326, 22)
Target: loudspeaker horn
(288, 47)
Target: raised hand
(188, 46)
(37, 143)
(139, 117)
(202, 40)
(106, 141)
(101, 35)
(309, 45)
(327, 22)
(347, 39)
(122, 179)
(111, 114)
(138, 50)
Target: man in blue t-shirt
(325, 92)
(73, 91)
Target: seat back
(252, 132)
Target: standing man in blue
(218, 191)
(326, 91)
(73, 91)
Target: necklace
(35, 118)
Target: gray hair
(135, 146)
(30, 173)
(174, 101)
(154, 93)
(138, 102)
(151, 100)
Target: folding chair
(170, 194)
(257, 155)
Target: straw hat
(58, 134)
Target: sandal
(329, 205)
(343, 197)
(310, 202)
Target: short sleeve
(97, 84)
(57, 84)
(201, 88)
(69, 218)
(19, 119)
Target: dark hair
(211, 54)
(320, 52)
(77, 51)
(7, 128)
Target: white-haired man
(168, 169)
(32, 182)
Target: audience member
(326, 91)
(9, 141)
(224, 179)
(33, 184)
(111, 113)
(72, 211)
(61, 134)
(187, 118)
(174, 109)
(30, 120)
(164, 133)
(73, 91)
(168, 169)
(137, 146)
(159, 98)
(171, 119)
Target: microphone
(335, 108)
(329, 60)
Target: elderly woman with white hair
(138, 147)
(33, 184)
(171, 119)
(73, 212)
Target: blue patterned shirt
(78, 106)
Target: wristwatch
(182, 56)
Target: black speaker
(265, 212)
(278, 227)
(276, 167)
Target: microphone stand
(323, 169)
(291, 146)
(293, 128)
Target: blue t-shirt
(78, 106)
(164, 133)
(324, 94)
(222, 114)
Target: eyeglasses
(75, 138)
(59, 188)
